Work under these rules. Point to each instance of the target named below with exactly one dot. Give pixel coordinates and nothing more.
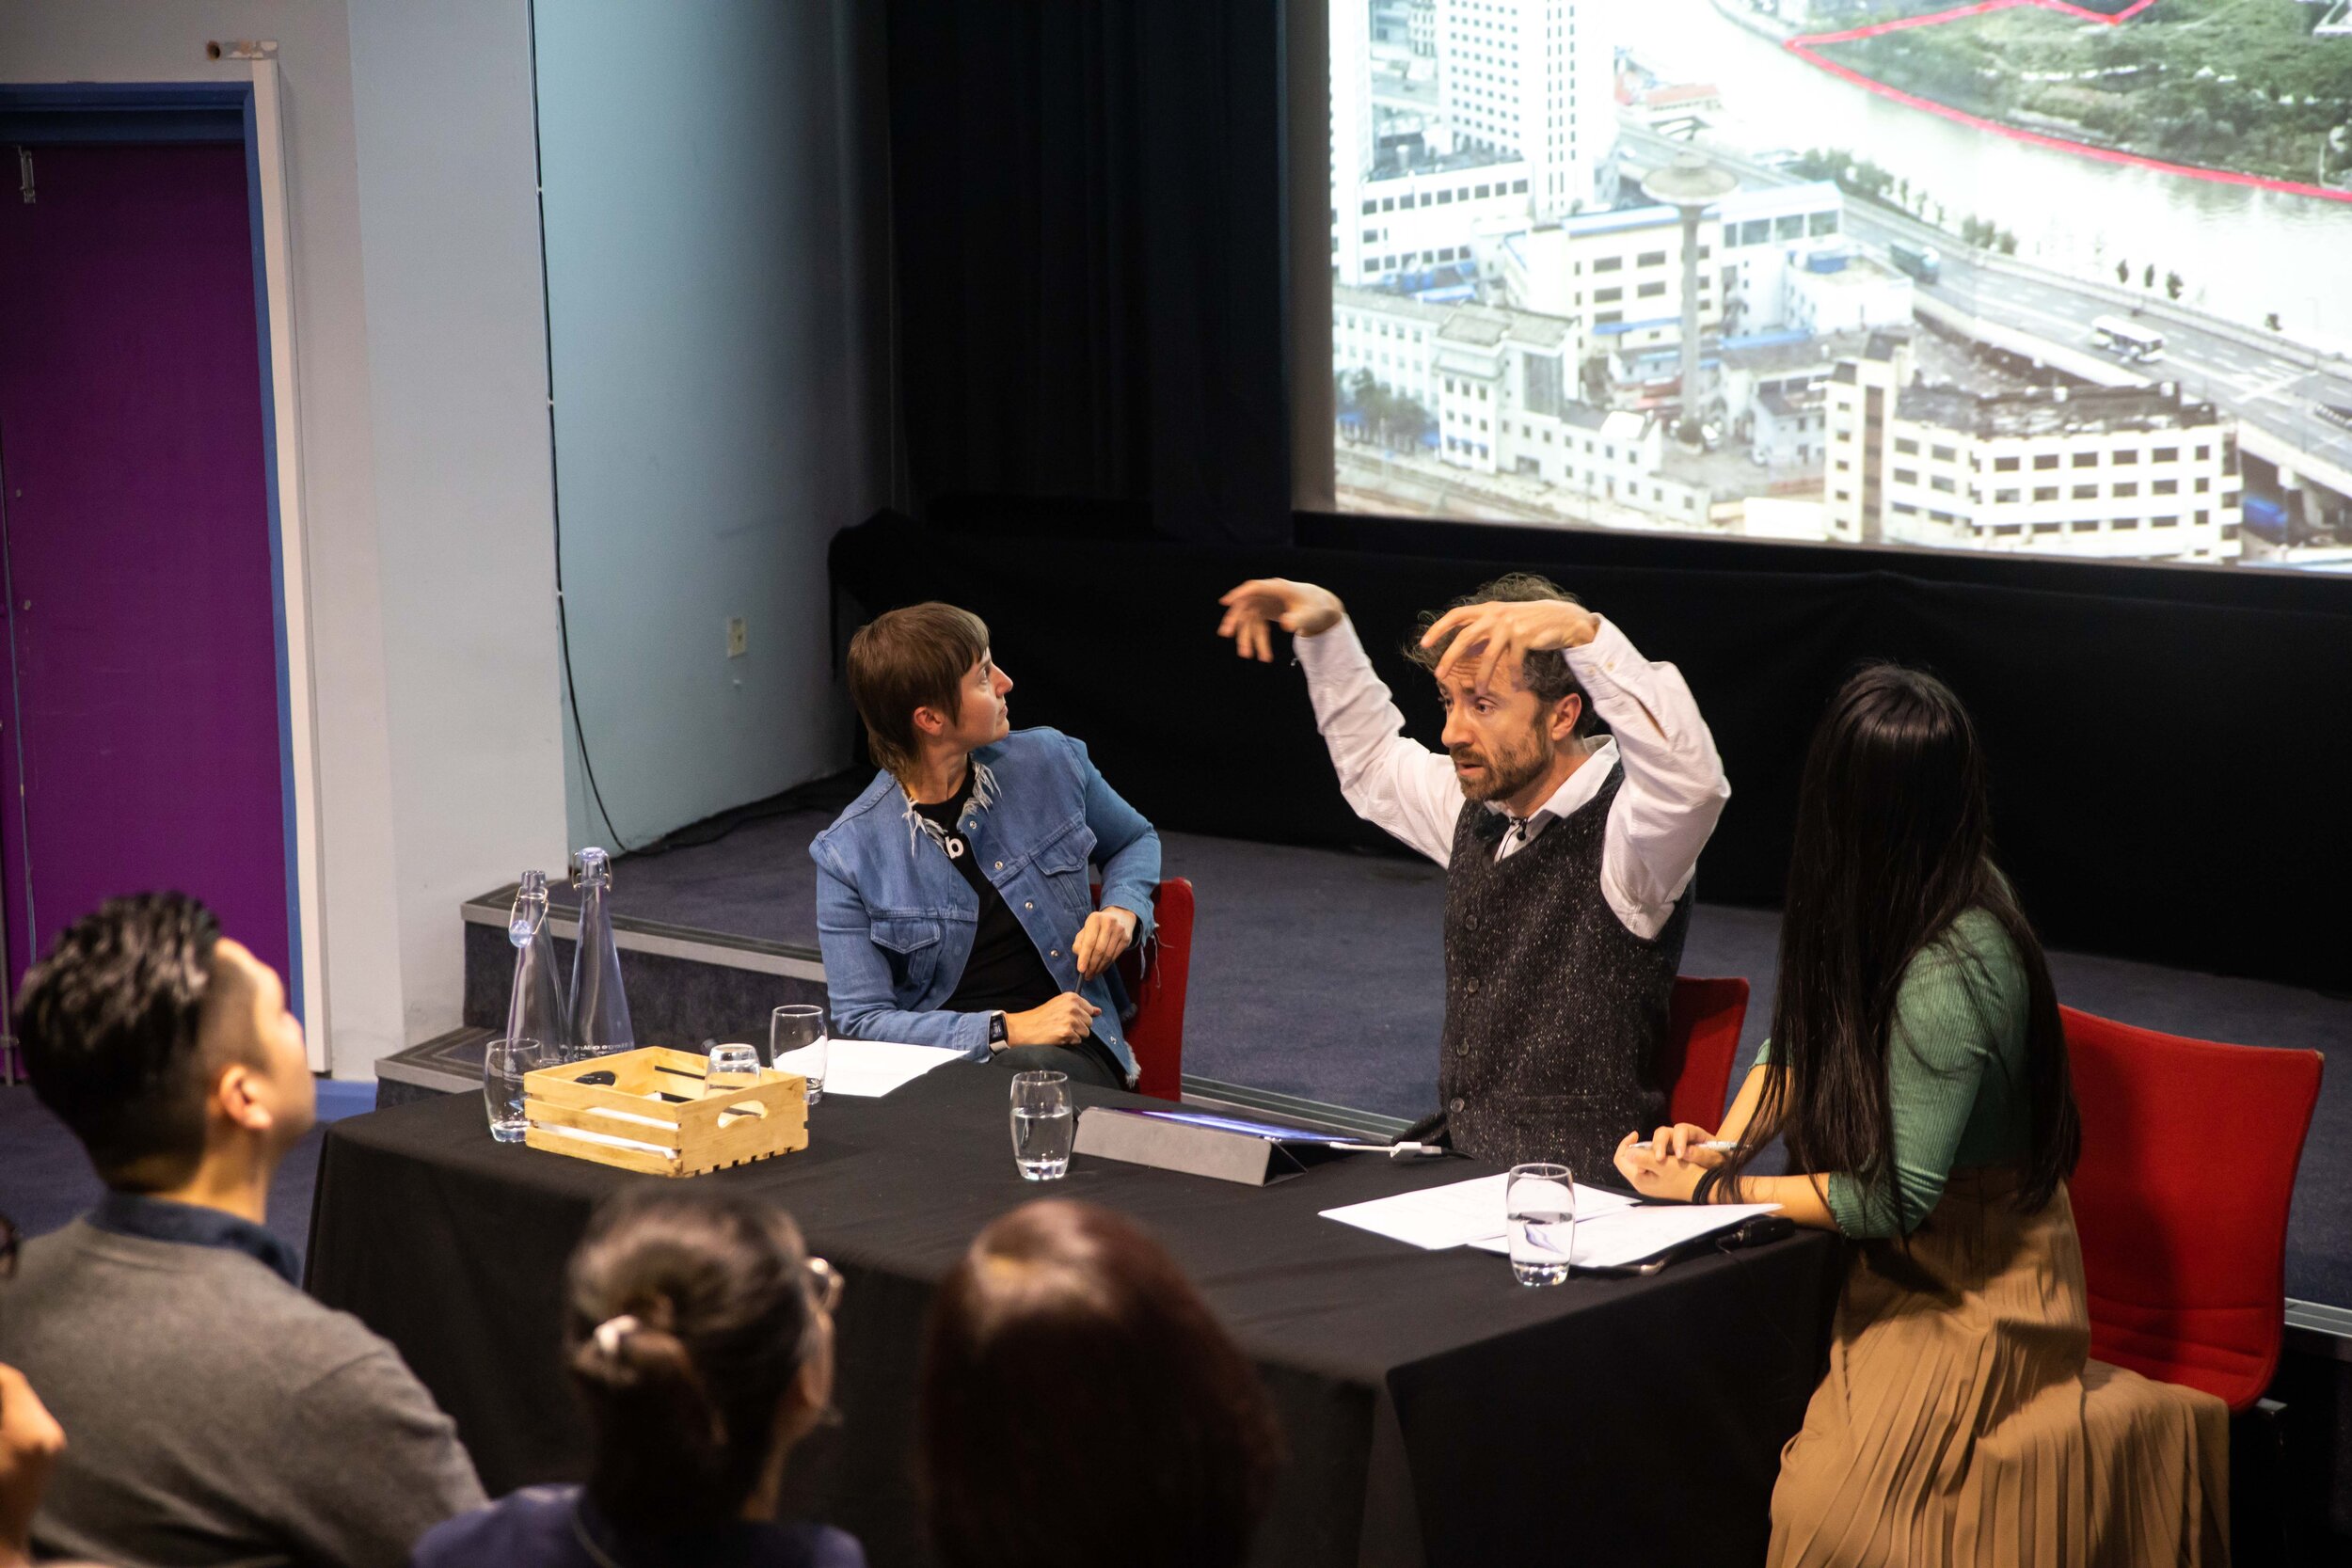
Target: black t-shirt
(1004, 973)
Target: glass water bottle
(534, 1036)
(599, 1014)
(535, 1013)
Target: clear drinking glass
(793, 1028)
(503, 1064)
(1539, 1202)
(1043, 1125)
(731, 1067)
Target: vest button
(1453, 1105)
(1471, 921)
(1470, 986)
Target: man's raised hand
(1258, 605)
(1485, 634)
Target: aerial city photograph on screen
(2012, 276)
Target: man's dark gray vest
(1554, 1012)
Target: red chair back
(1703, 1023)
(1157, 1035)
(2189, 1152)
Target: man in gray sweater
(214, 1414)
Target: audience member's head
(700, 1333)
(161, 1043)
(1081, 1406)
(909, 670)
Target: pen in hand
(1719, 1146)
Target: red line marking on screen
(1957, 13)
(1806, 48)
(1877, 29)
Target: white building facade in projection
(2108, 472)
(1507, 115)
(1502, 387)
(1534, 79)
(1619, 274)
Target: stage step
(685, 986)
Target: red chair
(2189, 1151)
(1156, 1034)
(1702, 1039)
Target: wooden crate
(664, 1137)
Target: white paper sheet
(868, 1069)
(1619, 1237)
(1456, 1214)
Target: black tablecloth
(1430, 1402)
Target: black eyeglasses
(9, 1239)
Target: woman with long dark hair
(1916, 1077)
(1080, 1405)
(700, 1337)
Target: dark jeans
(1089, 1062)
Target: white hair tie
(609, 1332)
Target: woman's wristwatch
(997, 1037)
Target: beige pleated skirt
(1963, 1423)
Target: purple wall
(141, 609)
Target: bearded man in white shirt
(1568, 856)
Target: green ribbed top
(1955, 1072)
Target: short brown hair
(910, 658)
(1080, 1404)
(1544, 673)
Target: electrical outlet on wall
(739, 637)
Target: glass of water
(503, 1064)
(800, 1026)
(731, 1067)
(1043, 1125)
(1539, 1202)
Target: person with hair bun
(699, 1333)
(1081, 1406)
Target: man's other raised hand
(1258, 605)
(1495, 636)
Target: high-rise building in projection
(1536, 80)
(1510, 121)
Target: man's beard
(1504, 775)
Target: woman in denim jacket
(953, 900)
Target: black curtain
(2169, 749)
(1087, 216)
